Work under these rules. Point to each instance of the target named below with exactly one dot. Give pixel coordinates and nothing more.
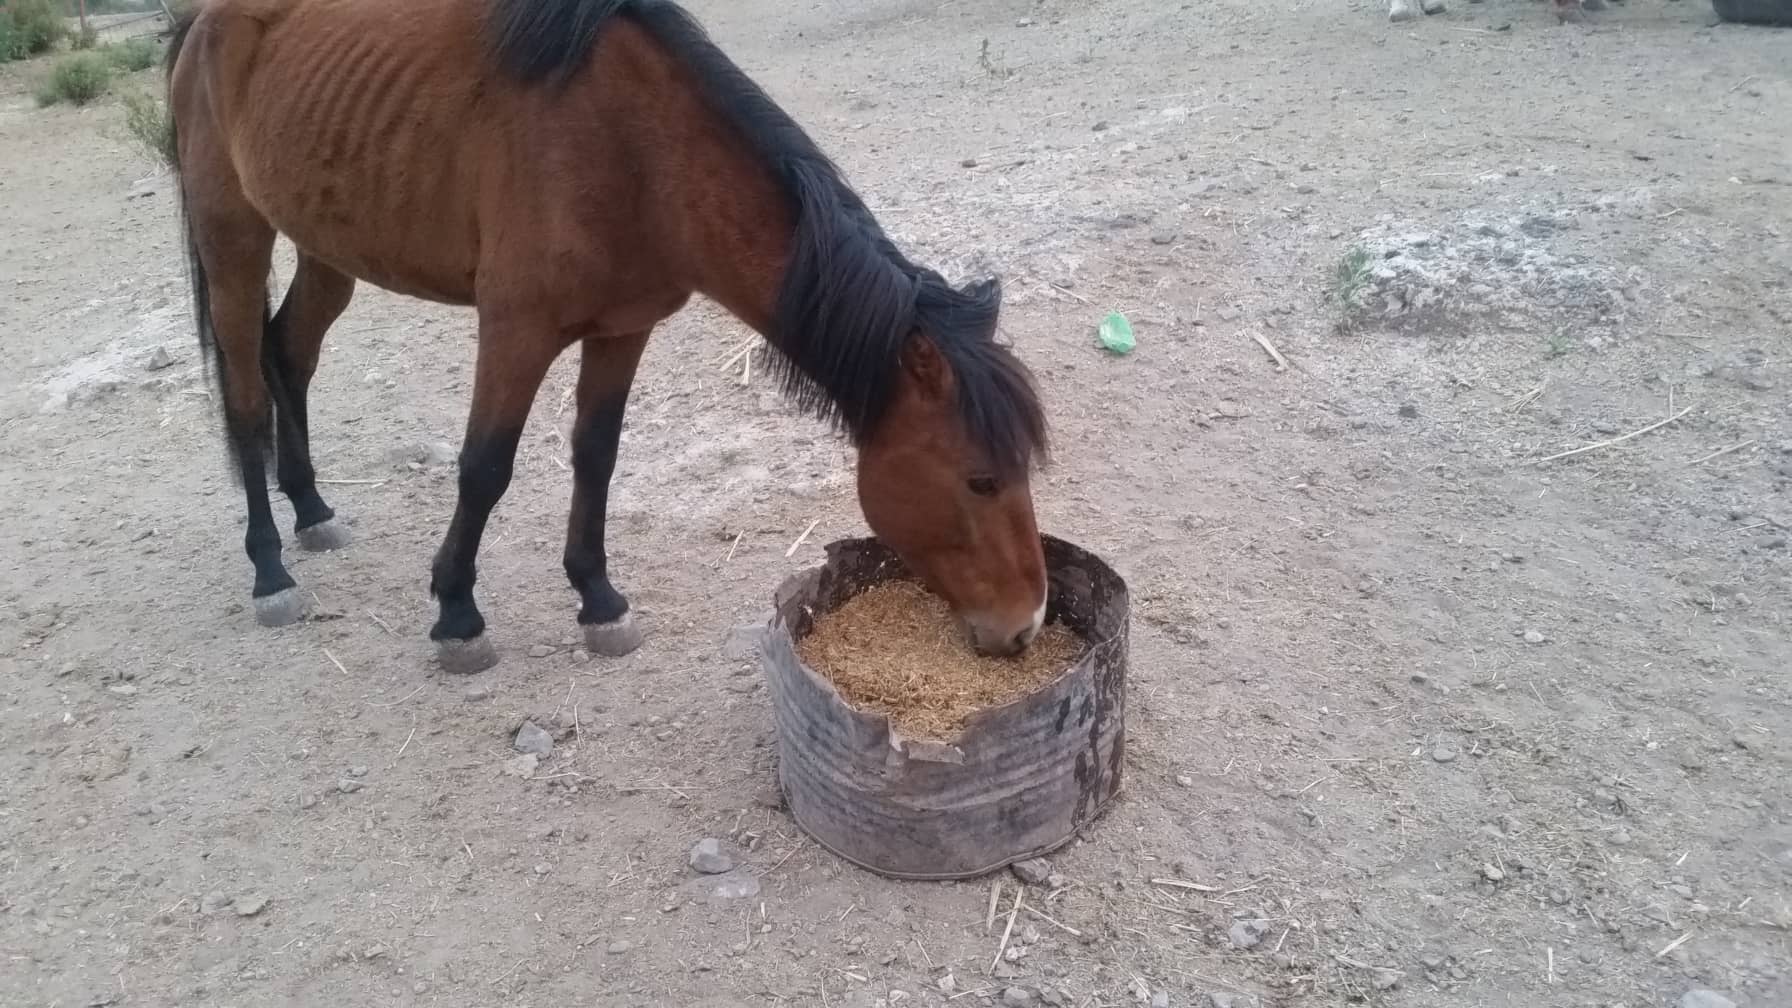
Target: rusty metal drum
(1020, 780)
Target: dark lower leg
(486, 462)
(262, 542)
(514, 355)
(316, 298)
(606, 371)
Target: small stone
(1385, 980)
(1161, 999)
(214, 902)
(357, 771)
(947, 984)
(534, 739)
(1619, 838)
(1057, 880)
(349, 785)
(158, 360)
(474, 694)
(1248, 934)
(742, 642)
(1033, 871)
(423, 453)
(1184, 780)
(123, 690)
(1534, 637)
(523, 766)
(543, 868)
(1443, 754)
(1705, 999)
(1492, 874)
(1408, 412)
(709, 858)
(1163, 238)
(969, 162)
(250, 905)
(1100, 127)
(542, 650)
(1017, 996)
(618, 947)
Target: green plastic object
(1116, 334)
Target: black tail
(242, 433)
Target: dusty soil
(1427, 721)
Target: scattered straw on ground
(895, 649)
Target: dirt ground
(1429, 721)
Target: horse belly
(355, 147)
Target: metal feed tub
(1018, 782)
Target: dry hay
(895, 649)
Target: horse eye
(982, 486)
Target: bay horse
(575, 170)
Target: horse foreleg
(512, 360)
(316, 298)
(606, 371)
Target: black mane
(850, 299)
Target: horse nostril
(1020, 641)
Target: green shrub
(83, 40)
(149, 123)
(77, 79)
(135, 54)
(30, 27)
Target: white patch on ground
(1515, 267)
(105, 370)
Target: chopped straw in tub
(895, 649)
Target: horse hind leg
(232, 248)
(317, 297)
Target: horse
(574, 171)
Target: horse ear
(927, 368)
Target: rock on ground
(533, 738)
(710, 858)
(1248, 934)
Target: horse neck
(712, 205)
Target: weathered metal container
(1019, 782)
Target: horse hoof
(614, 639)
(324, 536)
(465, 657)
(280, 609)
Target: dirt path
(1435, 724)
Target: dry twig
(1617, 440)
(801, 539)
(1270, 348)
(1722, 452)
(1014, 911)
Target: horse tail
(257, 433)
